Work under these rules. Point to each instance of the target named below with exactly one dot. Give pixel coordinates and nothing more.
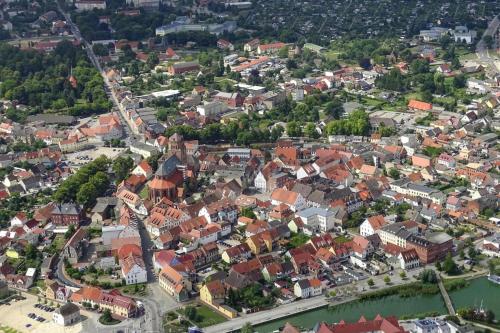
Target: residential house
(175, 283)
(409, 259)
(371, 225)
(319, 220)
(76, 246)
(66, 315)
(117, 304)
(308, 288)
(292, 199)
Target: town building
(66, 315)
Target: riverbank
(470, 294)
(415, 288)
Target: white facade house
(318, 219)
(307, 288)
(223, 210)
(294, 200)
(260, 182)
(397, 233)
(371, 225)
(462, 34)
(409, 259)
(242, 153)
(134, 270)
(417, 190)
(19, 220)
(84, 5)
(143, 169)
(66, 315)
(211, 108)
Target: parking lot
(16, 316)
(85, 156)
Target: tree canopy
(41, 81)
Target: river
(478, 289)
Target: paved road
(482, 51)
(129, 135)
(61, 277)
(310, 303)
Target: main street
(129, 134)
(158, 303)
(482, 51)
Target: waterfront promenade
(293, 308)
(275, 313)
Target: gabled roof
(377, 221)
(414, 104)
(285, 196)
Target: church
(173, 170)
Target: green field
(205, 316)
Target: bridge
(446, 297)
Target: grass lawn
(59, 242)
(467, 56)
(138, 289)
(102, 320)
(298, 239)
(6, 329)
(207, 316)
(144, 192)
(332, 55)
(373, 102)
(341, 239)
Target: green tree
(248, 212)
(438, 266)
(335, 108)
(419, 66)
(106, 316)
(472, 253)
(488, 40)
(310, 131)
(191, 312)
(449, 265)
(283, 52)
(247, 328)
(293, 129)
(31, 252)
(387, 279)
(492, 266)
(459, 81)
(71, 230)
(276, 132)
(370, 282)
(394, 173)
(403, 275)
(100, 50)
(428, 276)
(122, 167)
(87, 194)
